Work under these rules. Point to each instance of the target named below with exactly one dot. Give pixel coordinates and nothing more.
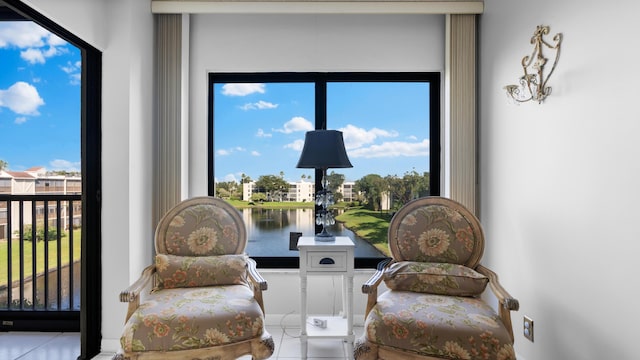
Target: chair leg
(364, 350)
(264, 348)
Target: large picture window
(257, 124)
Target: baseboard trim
(109, 346)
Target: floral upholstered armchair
(206, 294)
(433, 308)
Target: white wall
(559, 189)
(123, 31)
(127, 128)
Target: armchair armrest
(373, 282)
(255, 276)
(370, 287)
(131, 294)
(258, 283)
(506, 301)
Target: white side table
(329, 258)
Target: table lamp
(324, 149)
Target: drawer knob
(327, 261)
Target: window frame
(91, 169)
(320, 79)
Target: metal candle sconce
(533, 84)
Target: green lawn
(240, 204)
(369, 225)
(40, 248)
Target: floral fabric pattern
(435, 278)
(186, 318)
(449, 327)
(195, 271)
(202, 230)
(435, 233)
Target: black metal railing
(40, 239)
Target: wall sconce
(533, 84)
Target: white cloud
(255, 153)
(363, 143)
(37, 42)
(74, 79)
(230, 177)
(20, 120)
(242, 89)
(21, 98)
(54, 40)
(225, 152)
(297, 123)
(64, 165)
(296, 145)
(392, 149)
(32, 56)
(73, 70)
(22, 34)
(261, 133)
(355, 137)
(260, 105)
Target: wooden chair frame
(259, 348)
(506, 303)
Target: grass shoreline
(40, 252)
(372, 226)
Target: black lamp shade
(324, 149)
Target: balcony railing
(40, 239)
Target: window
(90, 110)
(257, 123)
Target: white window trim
(317, 7)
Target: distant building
(37, 181)
(301, 191)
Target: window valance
(317, 7)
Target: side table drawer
(326, 261)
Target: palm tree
(3, 165)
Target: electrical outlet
(527, 328)
(321, 323)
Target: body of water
(69, 298)
(268, 232)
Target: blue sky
(39, 98)
(260, 128)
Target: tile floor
(66, 346)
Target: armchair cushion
(435, 278)
(201, 227)
(435, 233)
(187, 318)
(443, 327)
(196, 271)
